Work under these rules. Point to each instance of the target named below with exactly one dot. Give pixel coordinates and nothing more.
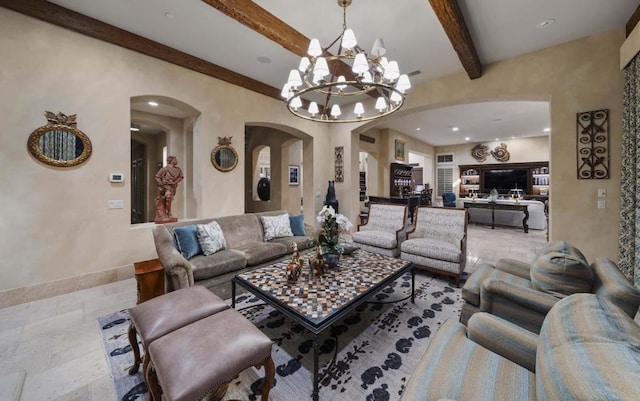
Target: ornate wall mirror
(224, 157)
(59, 143)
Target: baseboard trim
(16, 296)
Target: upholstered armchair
(384, 230)
(523, 293)
(438, 242)
(587, 350)
(448, 199)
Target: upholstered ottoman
(161, 315)
(200, 359)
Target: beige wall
(57, 225)
(574, 77)
(57, 220)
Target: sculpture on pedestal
(167, 179)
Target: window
(444, 158)
(444, 180)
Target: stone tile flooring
(53, 345)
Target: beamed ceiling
(253, 44)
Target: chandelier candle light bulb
(322, 81)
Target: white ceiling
(413, 36)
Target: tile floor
(51, 349)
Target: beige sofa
(245, 250)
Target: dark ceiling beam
(451, 19)
(268, 25)
(633, 21)
(80, 23)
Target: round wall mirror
(60, 145)
(224, 157)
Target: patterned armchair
(384, 230)
(438, 242)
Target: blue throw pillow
(297, 225)
(187, 241)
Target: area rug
(378, 345)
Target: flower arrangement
(332, 224)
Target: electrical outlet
(602, 204)
(116, 204)
(602, 193)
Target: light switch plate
(602, 193)
(116, 204)
(602, 204)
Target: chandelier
(324, 83)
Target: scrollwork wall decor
(480, 152)
(593, 144)
(500, 153)
(339, 163)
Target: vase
(330, 199)
(493, 195)
(264, 189)
(332, 259)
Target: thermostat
(116, 177)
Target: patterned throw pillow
(276, 226)
(211, 238)
(187, 241)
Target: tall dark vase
(330, 199)
(264, 189)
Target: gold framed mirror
(60, 143)
(224, 157)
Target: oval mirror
(59, 145)
(224, 157)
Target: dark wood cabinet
(476, 176)
(149, 279)
(400, 179)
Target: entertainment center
(533, 178)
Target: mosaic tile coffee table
(317, 303)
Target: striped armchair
(384, 230)
(523, 293)
(588, 349)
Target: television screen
(504, 180)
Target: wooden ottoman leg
(151, 378)
(133, 340)
(269, 375)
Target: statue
(167, 179)
(294, 268)
(317, 264)
(330, 199)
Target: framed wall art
(294, 175)
(339, 163)
(400, 150)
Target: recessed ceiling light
(264, 59)
(168, 15)
(547, 130)
(497, 139)
(545, 23)
(418, 129)
(513, 137)
(152, 103)
(466, 138)
(454, 129)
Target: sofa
(245, 249)
(537, 217)
(524, 292)
(587, 349)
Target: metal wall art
(480, 152)
(593, 144)
(59, 143)
(339, 152)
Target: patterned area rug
(378, 345)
